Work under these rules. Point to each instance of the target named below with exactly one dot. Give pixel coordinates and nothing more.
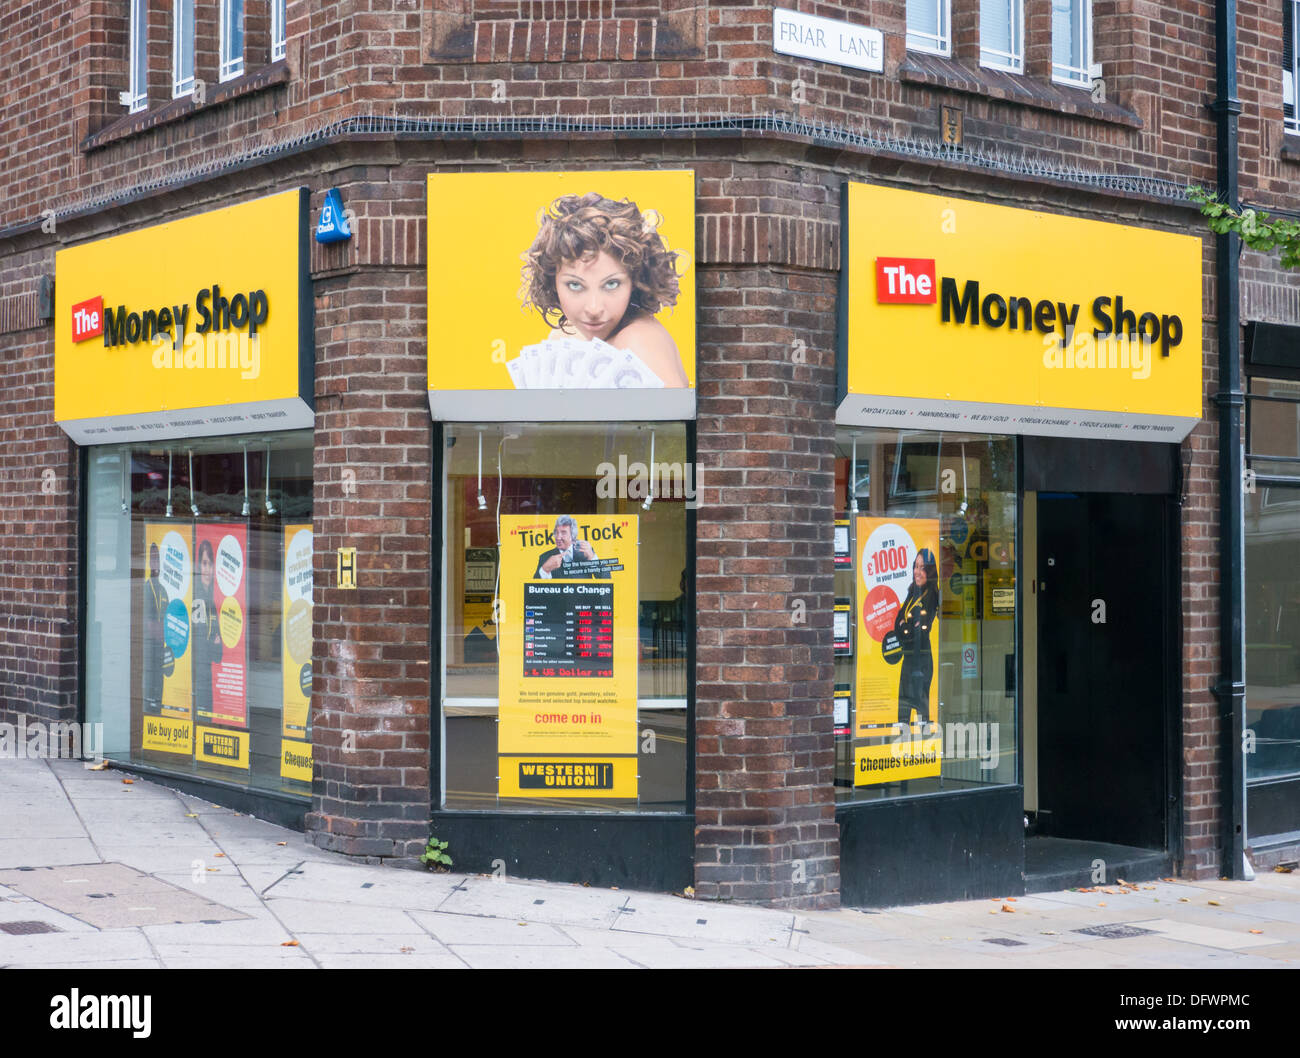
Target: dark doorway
(1103, 649)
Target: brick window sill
(939, 72)
(179, 109)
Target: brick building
(155, 507)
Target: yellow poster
(544, 283)
(295, 630)
(165, 656)
(568, 640)
(295, 760)
(898, 596)
(222, 745)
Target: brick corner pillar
(372, 490)
(765, 751)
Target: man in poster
(570, 557)
(155, 606)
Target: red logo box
(88, 319)
(905, 281)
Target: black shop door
(1103, 674)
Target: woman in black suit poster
(916, 618)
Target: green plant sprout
(435, 855)
(1255, 228)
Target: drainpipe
(1231, 400)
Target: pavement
(103, 871)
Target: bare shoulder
(650, 340)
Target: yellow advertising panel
(898, 602)
(568, 642)
(295, 760)
(894, 762)
(222, 745)
(517, 327)
(295, 630)
(592, 777)
(970, 317)
(196, 327)
(166, 643)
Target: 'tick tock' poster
(567, 630)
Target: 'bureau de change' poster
(567, 635)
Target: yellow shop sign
(196, 327)
(962, 316)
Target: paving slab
(714, 922)
(44, 852)
(454, 930)
(557, 904)
(316, 916)
(497, 957)
(74, 949)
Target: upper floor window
(136, 97)
(929, 26)
(182, 48)
(1072, 42)
(1002, 34)
(1290, 69)
(232, 39)
(277, 29)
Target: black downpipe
(1231, 688)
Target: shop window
(1290, 68)
(565, 618)
(925, 622)
(277, 30)
(182, 48)
(198, 655)
(232, 39)
(1272, 575)
(1002, 35)
(137, 95)
(1072, 42)
(929, 25)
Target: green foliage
(435, 855)
(1255, 229)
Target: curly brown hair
(578, 227)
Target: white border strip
(561, 405)
(288, 413)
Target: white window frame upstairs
(1013, 59)
(232, 15)
(1291, 73)
(182, 35)
(1081, 30)
(136, 97)
(939, 42)
(277, 29)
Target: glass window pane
(544, 475)
(927, 25)
(1272, 618)
(932, 509)
(198, 639)
(1000, 33)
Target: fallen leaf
(282, 843)
(1008, 909)
(101, 766)
(128, 782)
(1279, 869)
(213, 869)
(1101, 903)
(191, 815)
(1148, 887)
(218, 854)
(1048, 932)
(1011, 899)
(1183, 900)
(689, 891)
(1257, 931)
(1121, 881)
(289, 944)
(406, 949)
(993, 911)
(1213, 903)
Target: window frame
(182, 82)
(1012, 61)
(939, 42)
(1291, 70)
(279, 17)
(1076, 76)
(231, 66)
(136, 97)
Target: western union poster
(166, 639)
(567, 635)
(898, 599)
(295, 652)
